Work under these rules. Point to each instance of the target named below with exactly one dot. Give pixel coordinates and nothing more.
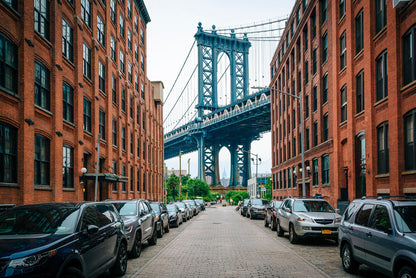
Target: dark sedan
(270, 220)
(175, 215)
(62, 240)
(162, 217)
(243, 210)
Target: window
(307, 138)
(114, 166)
(380, 219)
(293, 118)
(409, 60)
(8, 64)
(42, 18)
(341, 8)
(315, 98)
(323, 10)
(142, 90)
(409, 140)
(113, 48)
(129, 41)
(306, 72)
(123, 100)
(324, 47)
(141, 36)
(315, 171)
(325, 88)
(100, 30)
(298, 15)
(363, 215)
(294, 177)
(299, 50)
(86, 12)
(122, 32)
(136, 52)
(142, 62)
(67, 41)
(359, 89)
(86, 57)
(313, 18)
(359, 40)
(314, 61)
(114, 132)
(284, 178)
(130, 74)
(307, 106)
(42, 160)
(101, 76)
(113, 11)
(292, 27)
(11, 3)
(325, 169)
(315, 133)
(383, 148)
(144, 181)
(343, 51)
(101, 125)
(123, 171)
(68, 167)
(138, 147)
(114, 89)
(325, 123)
(129, 8)
(131, 143)
(344, 103)
(299, 81)
(122, 68)
(68, 102)
(42, 86)
(136, 24)
(123, 138)
(381, 76)
(136, 82)
(304, 4)
(131, 107)
(138, 181)
(137, 115)
(381, 15)
(8, 153)
(87, 115)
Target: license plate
(326, 232)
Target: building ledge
(43, 187)
(68, 189)
(10, 185)
(380, 176)
(410, 172)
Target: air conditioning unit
(400, 3)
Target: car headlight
(338, 219)
(305, 219)
(31, 260)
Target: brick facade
(352, 173)
(144, 122)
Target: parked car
(380, 233)
(188, 206)
(270, 219)
(186, 212)
(175, 215)
(307, 217)
(139, 223)
(194, 206)
(256, 208)
(162, 217)
(243, 210)
(201, 204)
(62, 240)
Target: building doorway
(360, 166)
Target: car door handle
(369, 234)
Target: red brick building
(353, 64)
(71, 72)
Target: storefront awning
(105, 177)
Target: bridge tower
(210, 45)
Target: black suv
(62, 240)
(380, 233)
(162, 217)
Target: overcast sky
(170, 35)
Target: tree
(172, 184)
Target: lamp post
(180, 174)
(299, 97)
(258, 161)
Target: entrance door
(360, 166)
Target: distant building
(176, 172)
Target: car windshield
(180, 205)
(312, 206)
(259, 202)
(406, 218)
(126, 208)
(171, 208)
(246, 202)
(39, 219)
(278, 204)
(155, 207)
(199, 201)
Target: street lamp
(299, 97)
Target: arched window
(8, 65)
(8, 153)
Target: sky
(170, 35)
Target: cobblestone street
(221, 243)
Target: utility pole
(180, 174)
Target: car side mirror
(91, 229)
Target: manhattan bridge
(221, 103)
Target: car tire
(265, 222)
(137, 246)
(160, 232)
(279, 230)
(72, 272)
(153, 239)
(293, 237)
(407, 272)
(348, 263)
(273, 225)
(120, 266)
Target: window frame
(8, 153)
(68, 170)
(325, 169)
(68, 102)
(87, 125)
(381, 76)
(343, 106)
(67, 41)
(42, 86)
(86, 12)
(101, 124)
(359, 38)
(410, 143)
(42, 18)
(409, 52)
(42, 161)
(359, 91)
(382, 131)
(343, 50)
(9, 64)
(100, 30)
(86, 60)
(315, 172)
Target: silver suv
(380, 233)
(307, 217)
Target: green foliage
(268, 196)
(172, 186)
(236, 196)
(196, 187)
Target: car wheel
(293, 237)
(120, 266)
(265, 222)
(153, 239)
(279, 230)
(407, 272)
(137, 246)
(160, 232)
(72, 272)
(167, 228)
(348, 263)
(274, 225)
